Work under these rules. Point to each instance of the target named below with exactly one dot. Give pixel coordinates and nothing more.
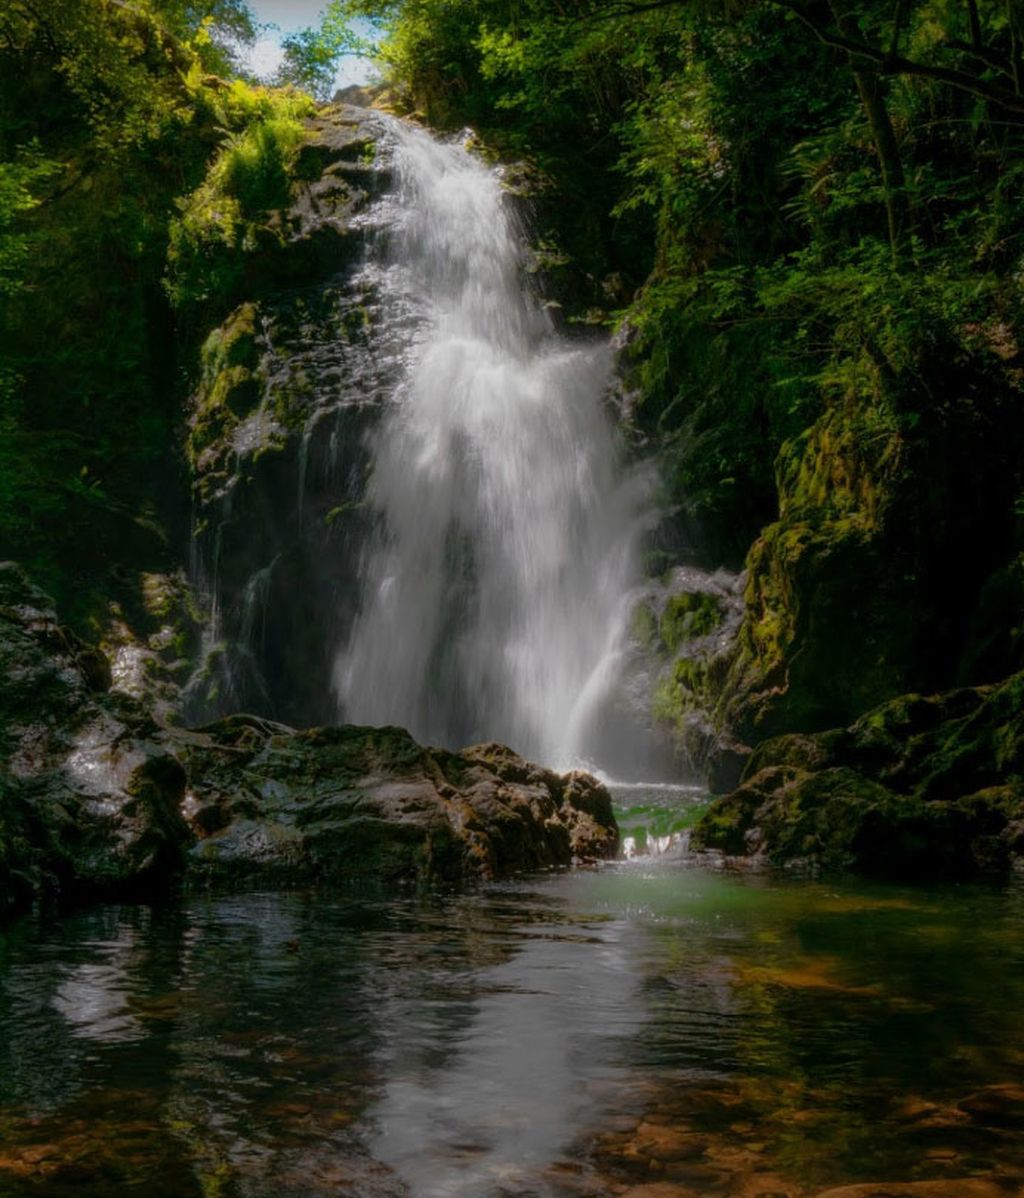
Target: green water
(651, 1023)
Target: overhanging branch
(887, 64)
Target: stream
(653, 1027)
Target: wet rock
(89, 797)
(93, 791)
(665, 1142)
(687, 628)
(920, 786)
(328, 803)
(725, 765)
(151, 643)
(660, 1189)
(996, 1106)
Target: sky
(290, 15)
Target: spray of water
(495, 589)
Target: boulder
(269, 804)
(89, 796)
(924, 785)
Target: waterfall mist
(494, 587)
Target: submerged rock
(956, 1187)
(271, 804)
(920, 786)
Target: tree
(312, 55)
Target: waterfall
(494, 588)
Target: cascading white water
(495, 591)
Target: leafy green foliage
(216, 30)
(107, 114)
(738, 143)
(225, 218)
(311, 56)
(20, 181)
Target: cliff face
(890, 567)
(287, 387)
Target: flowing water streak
(495, 591)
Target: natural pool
(653, 1028)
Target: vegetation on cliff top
(110, 114)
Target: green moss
(688, 616)
(922, 785)
(357, 320)
(232, 344)
(232, 215)
(820, 586)
(683, 691)
(230, 382)
(292, 397)
(724, 824)
(644, 625)
(343, 510)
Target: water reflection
(574, 1035)
(506, 1100)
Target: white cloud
(265, 56)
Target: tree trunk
(894, 182)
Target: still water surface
(594, 1033)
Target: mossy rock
(850, 599)
(233, 343)
(688, 616)
(685, 627)
(920, 786)
(231, 384)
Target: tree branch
(898, 65)
(1016, 63)
(990, 57)
(897, 27)
(891, 63)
